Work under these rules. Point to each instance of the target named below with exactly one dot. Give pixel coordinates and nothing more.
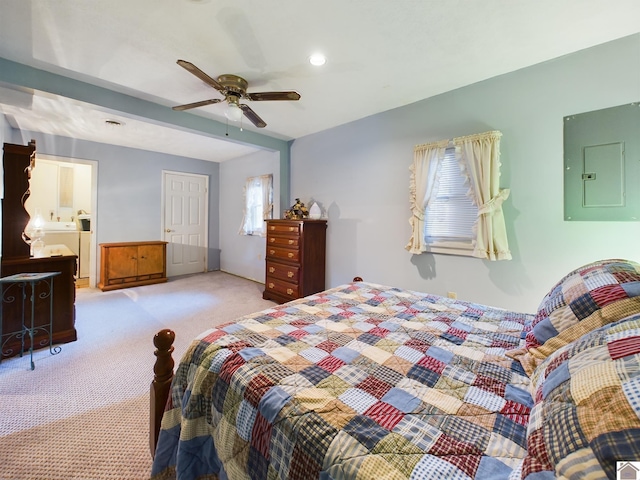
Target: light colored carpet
(83, 414)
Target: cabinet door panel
(150, 259)
(123, 262)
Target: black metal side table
(14, 288)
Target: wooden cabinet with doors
(295, 259)
(131, 264)
(18, 162)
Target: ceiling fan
(233, 88)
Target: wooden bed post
(159, 392)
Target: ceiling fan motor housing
(233, 84)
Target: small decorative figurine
(297, 212)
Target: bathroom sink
(59, 226)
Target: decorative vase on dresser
(295, 259)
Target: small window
(450, 216)
(258, 205)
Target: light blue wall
(130, 188)
(243, 255)
(360, 173)
(5, 130)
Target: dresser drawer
(281, 271)
(291, 254)
(284, 228)
(289, 241)
(280, 287)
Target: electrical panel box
(602, 164)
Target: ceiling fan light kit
(233, 112)
(233, 88)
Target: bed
(368, 381)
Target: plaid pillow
(587, 298)
(586, 415)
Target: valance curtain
(426, 159)
(480, 157)
(258, 205)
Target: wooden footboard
(163, 374)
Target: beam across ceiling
(26, 77)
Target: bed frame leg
(163, 374)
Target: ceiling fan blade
(191, 68)
(273, 96)
(196, 104)
(252, 116)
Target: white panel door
(185, 222)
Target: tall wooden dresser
(295, 259)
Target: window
(451, 214)
(258, 205)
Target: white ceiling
(381, 55)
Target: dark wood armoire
(17, 162)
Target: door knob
(169, 230)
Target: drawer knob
(271, 252)
(291, 229)
(289, 274)
(289, 291)
(290, 242)
(270, 285)
(272, 227)
(272, 239)
(290, 255)
(271, 269)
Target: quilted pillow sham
(587, 298)
(586, 415)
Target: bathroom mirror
(65, 189)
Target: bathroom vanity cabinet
(131, 264)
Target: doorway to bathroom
(63, 199)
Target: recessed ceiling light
(317, 59)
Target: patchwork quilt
(360, 381)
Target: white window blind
(451, 215)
